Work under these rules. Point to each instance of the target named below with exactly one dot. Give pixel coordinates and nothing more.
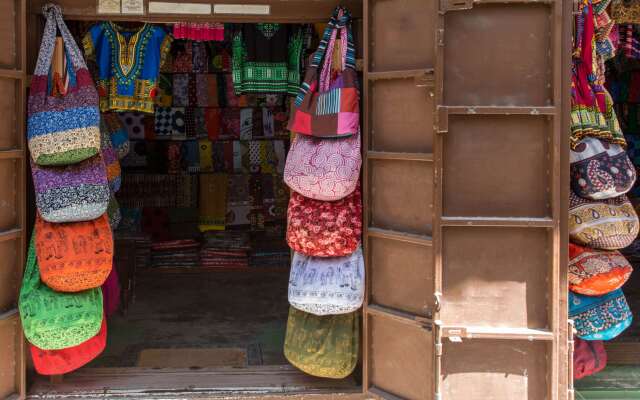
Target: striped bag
(63, 129)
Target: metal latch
(443, 119)
(455, 334)
(455, 5)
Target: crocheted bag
(327, 286)
(323, 169)
(58, 362)
(327, 107)
(324, 228)
(596, 272)
(600, 170)
(326, 347)
(600, 318)
(75, 256)
(605, 224)
(53, 320)
(78, 192)
(589, 357)
(62, 130)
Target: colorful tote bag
(601, 317)
(605, 224)
(64, 129)
(110, 157)
(596, 272)
(327, 286)
(118, 133)
(326, 346)
(54, 320)
(74, 256)
(600, 170)
(324, 228)
(78, 192)
(589, 357)
(325, 106)
(63, 361)
(323, 169)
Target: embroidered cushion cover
(604, 224)
(74, 256)
(53, 320)
(589, 357)
(62, 129)
(596, 272)
(600, 170)
(78, 192)
(324, 228)
(58, 362)
(326, 346)
(323, 169)
(327, 285)
(602, 317)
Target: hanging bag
(324, 228)
(74, 256)
(327, 286)
(54, 320)
(595, 272)
(62, 129)
(589, 357)
(329, 107)
(600, 317)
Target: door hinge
(570, 350)
(455, 5)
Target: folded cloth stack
(224, 249)
(175, 254)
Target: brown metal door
(12, 194)
(465, 192)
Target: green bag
(55, 320)
(323, 346)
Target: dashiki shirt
(128, 64)
(267, 58)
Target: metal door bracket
(455, 334)
(443, 119)
(455, 5)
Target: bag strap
(340, 20)
(53, 14)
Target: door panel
(12, 195)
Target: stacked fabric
(175, 254)
(602, 220)
(225, 249)
(268, 250)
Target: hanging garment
(327, 285)
(323, 169)
(325, 346)
(182, 56)
(605, 224)
(53, 320)
(199, 31)
(327, 104)
(62, 129)
(600, 170)
(63, 361)
(76, 256)
(128, 64)
(324, 228)
(600, 317)
(213, 201)
(589, 357)
(596, 272)
(78, 192)
(267, 58)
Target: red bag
(57, 362)
(324, 228)
(589, 357)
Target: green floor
(614, 382)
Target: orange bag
(74, 256)
(594, 272)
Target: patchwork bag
(54, 320)
(325, 106)
(600, 170)
(605, 224)
(110, 157)
(118, 133)
(328, 285)
(78, 192)
(596, 272)
(62, 129)
(323, 169)
(58, 362)
(325, 347)
(589, 357)
(600, 318)
(324, 228)
(74, 256)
